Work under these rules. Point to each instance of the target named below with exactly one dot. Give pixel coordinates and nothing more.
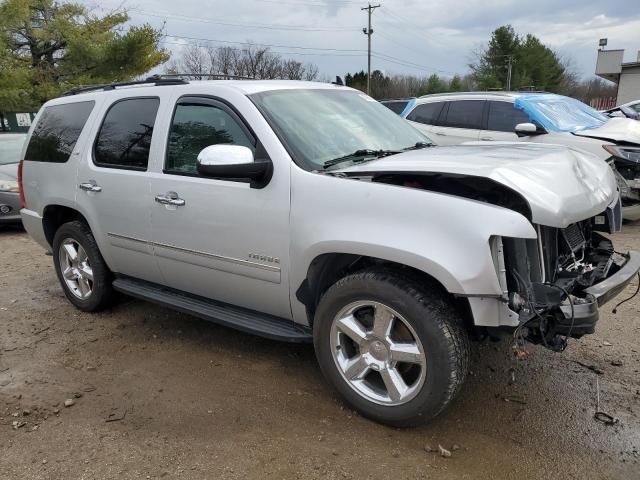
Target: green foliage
(402, 86)
(48, 47)
(533, 64)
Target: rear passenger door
(502, 118)
(113, 188)
(460, 121)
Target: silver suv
(310, 212)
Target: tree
(533, 63)
(48, 47)
(250, 61)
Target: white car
(455, 118)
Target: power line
(264, 44)
(306, 28)
(278, 51)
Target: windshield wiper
(359, 156)
(418, 146)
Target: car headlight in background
(9, 186)
(631, 154)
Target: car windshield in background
(321, 125)
(560, 114)
(11, 147)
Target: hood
(615, 130)
(9, 172)
(561, 185)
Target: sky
(411, 36)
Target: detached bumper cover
(585, 315)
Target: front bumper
(9, 208)
(586, 313)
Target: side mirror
(527, 129)
(234, 162)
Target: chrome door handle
(487, 139)
(442, 134)
(170, 198)
(90, 186)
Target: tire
(424, 312)
(77, 235)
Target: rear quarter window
(426, 113)
(57, 132)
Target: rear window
(464, 114)
(124, 139)
(426, 113)
(57, 132)
(396, 107)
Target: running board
(249, 321)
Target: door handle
(90, 186)
(487, 139)
(442, 134)
(170, 198)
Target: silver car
(10, 148)
(309, 212)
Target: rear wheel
(83, 274)
(396, 350)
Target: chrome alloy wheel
(75, 268)
(378, 353)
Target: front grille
(574, 237)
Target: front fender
(445, 236)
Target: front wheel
(395, 349)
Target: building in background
(626, 75)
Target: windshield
(560, 114)
(321, 125)
(10, 148)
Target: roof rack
(158, 79)
(154, 79)
(203, 76)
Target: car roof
(11, 136)
(498, 95)
(246, 87)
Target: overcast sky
(411, 36)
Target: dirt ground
(161, 394)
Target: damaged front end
(557, 282)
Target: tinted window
(396, 107)
(57, 132)
(426, 113)
(124, 139)
(464, 114)
(195, 127)
(503, 117)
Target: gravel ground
(161, 394)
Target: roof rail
(154, 79)
(203, 76)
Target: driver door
(220, 239)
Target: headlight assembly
(632, 154)
(9, 186)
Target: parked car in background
(10, 148)
(455, 118)
(629, 110)
(230, 201)
(399, 106)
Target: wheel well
(56, 215)
(327, 269)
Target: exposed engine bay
(548, 280)
(544, 280)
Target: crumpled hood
(615, 130)
(562, 185)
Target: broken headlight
(631, 154)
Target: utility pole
(510, 60)
(368, 32)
